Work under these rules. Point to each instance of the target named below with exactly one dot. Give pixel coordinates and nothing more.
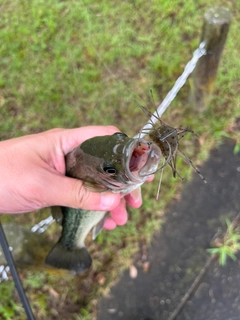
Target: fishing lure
(167, 138)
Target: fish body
(117, 163)
(70, 252)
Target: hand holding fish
(119, 214)
(75, 169)
(109, 162)
(32, 175)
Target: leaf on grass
(222, 258)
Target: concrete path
(178, 253)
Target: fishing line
(16, 279)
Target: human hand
(32, 176)
(119, 215)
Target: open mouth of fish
(140, 159)
(143, 160)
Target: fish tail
(77, 260)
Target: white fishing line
(198, 53)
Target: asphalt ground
(178, 253)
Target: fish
(113, 162)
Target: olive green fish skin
(70, 222)
(76, 225)
(70, 252)
(87, 162)
(116, 163)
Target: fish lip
(152, 160)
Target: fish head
(114, 162)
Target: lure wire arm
(16, 279)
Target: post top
(218, 15)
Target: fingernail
(107, 201)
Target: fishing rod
(16, 279)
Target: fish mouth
(142, 160)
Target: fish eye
(120, 134)
(109, 169)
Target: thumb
(70, 192)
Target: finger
(69, 192)
(109, 224)
(134, 199)
(119, 213)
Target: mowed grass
(79, 63)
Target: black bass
(117, 163)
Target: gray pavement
(178, 253)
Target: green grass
(227, 245)
(8, 306)
(77, 63)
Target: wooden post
(214, 33)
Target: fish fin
(77, 260)
(98, 228)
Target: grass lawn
(78, 63)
